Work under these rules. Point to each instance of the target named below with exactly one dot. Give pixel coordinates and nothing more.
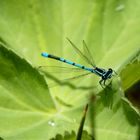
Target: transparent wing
(60, 69)
(68, 81)
(83, 56)
(76, 77)
(64, 79)
(88, 54)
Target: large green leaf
(111, 30)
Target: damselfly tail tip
(45, 54)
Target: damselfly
(105, 74)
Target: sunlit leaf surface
(28, 108)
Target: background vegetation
(29, 110)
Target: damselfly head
(111, 71)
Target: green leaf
(111, 31)
(72, 136)
(19, 80)
(25, 99)
(1, 138)
(131, 74)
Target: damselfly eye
(110, 69)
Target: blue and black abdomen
(50, 56)
(58, 58)
(66, 61)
